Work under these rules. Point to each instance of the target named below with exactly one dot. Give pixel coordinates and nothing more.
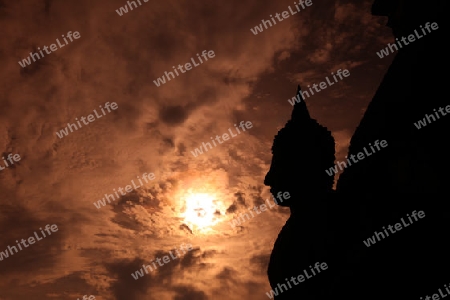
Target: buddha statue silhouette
(302, 150)
(329, 225)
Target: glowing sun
(200, 210)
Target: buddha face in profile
(280, 178)
(299, 158)
(297, 174)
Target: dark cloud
(188, 293)
(155, 130)
(22, 224)
(173, 115)
(260, 262)
(125, 286)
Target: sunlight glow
(200, 210)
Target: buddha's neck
(309, 204)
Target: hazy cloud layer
(154, 130)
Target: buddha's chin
(278, 197)
(276, 192)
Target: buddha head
(302, 151)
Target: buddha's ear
(300, 112)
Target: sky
(154, 129)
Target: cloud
(154, 130)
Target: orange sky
(154, 129)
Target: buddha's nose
(268, 178)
